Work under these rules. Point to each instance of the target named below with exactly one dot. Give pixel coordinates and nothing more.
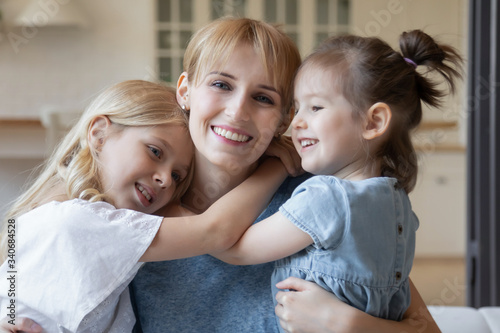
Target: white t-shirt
(73, 262)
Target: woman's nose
(238, 110)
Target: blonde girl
(351, 229)
(78, 235)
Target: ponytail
(371, 71)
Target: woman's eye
(317, 108)
(220, 85)
(264, 99)
(296, 111)
(155, 151)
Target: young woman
(237, 88)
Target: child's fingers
(22, 324)
(293, 283)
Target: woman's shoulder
(291, 183)
(283, 193)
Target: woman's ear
(98, 131)
(378, 119)
(182, 91)
(286, 120)
(285, 123)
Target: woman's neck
(210, 182)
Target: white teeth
(144, 192)
(230, 135)
(305, 143)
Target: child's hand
(284, 149)
(22, 325)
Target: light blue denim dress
(364, 242)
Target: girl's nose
(298, 121)
(163, 178)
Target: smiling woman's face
(234, 110)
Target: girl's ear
(378, 119)
(98, 131)
(182, 91)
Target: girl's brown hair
(371, 71)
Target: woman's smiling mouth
(230, 135)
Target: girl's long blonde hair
(129, 103)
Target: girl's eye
(176, 177)
(317, 108)
(221, 85)
(155, 151)
(296, 111)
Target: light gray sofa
(457, 319)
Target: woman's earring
(277, 137)
(184, 108)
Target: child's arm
(223, 223)
(271, 239)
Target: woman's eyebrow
(268, 88)
(263, 86)
(223, 74)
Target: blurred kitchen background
(56, 55)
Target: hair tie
(411, 62)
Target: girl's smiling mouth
(145, 196)
(308, 142)
(233, 136)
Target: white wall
(13, 175)
(445, 20)
(66, 67)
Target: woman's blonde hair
(216, 41)
(129, 103)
